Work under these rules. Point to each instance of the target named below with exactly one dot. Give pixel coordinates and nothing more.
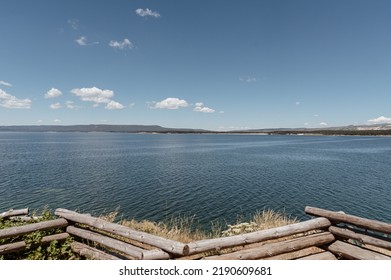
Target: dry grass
(185, 229)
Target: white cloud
(113, 105)
(125, 44)
(297, 103)
(97, 96)
(306, 124)
(199, 107)
(52, 93)
(4, 83)
(82, 41)
(171, 103)
(70, 104)
(56, 120)
(221, 112)
(93, 94)
(11, 102)
(39, 121)
(247, 79)
(323, 124)
(147, 12)
(56, 106)
(380, 120)
(131, 105)
(74, 23)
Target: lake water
(213, 177)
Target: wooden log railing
(352, 243)
(21, 245)
(258, 236)
(13, 213)
(352, 240)
(339, 217)
(277, 248)
(170, 246)
(30, 228)
(20, 230)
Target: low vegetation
(34, 250)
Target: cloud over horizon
(114, 105)
(125, 44)
(52, 93)
(97, 96)
(4, 83)
(199, 107)
(55, 106)
(380, 120)
(74, 23)
(171, 103)
(11, 102)
(247, 79)
(82, 41)
(147, 13)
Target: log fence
(328, 236)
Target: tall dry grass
(185, 228)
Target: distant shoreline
(381, 130)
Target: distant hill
(98, 128)
(378, 129)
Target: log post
(170, 246)
(20, 230)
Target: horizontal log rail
(91, 252)
(21, 245)
(345, 218)
(353, 252)
(319, 256)
(106, 241)
(170, 246)
(272, 249)
(362, 238)
(258, 236)
(20, 230)
(12, 213)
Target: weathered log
(349, 234)
(296, 254)
(352, 252)
(170, 246)
(277, 248)
(112, 243)
(338, 217)
(319, 256)
(258, 236)
(155, 254)
(12, 212)
(90, 252)
(20, 230)
(21, 245)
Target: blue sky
(197, 64)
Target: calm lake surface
(214, 177)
